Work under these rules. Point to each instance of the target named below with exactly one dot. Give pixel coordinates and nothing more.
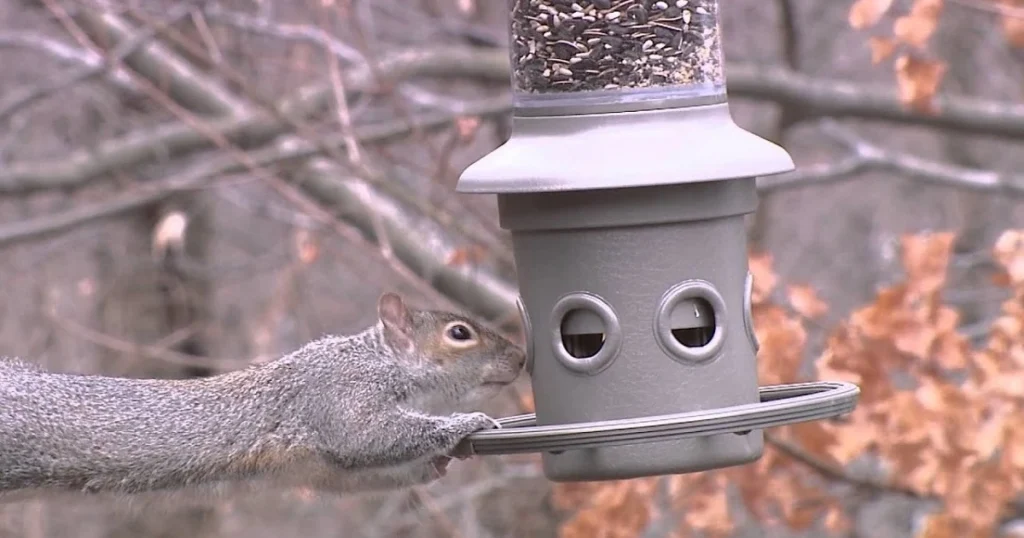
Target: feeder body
(587, 56)
(626, 249)
(625, 185)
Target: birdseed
(563, 46)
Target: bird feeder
(625, 185)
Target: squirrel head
(449, 351)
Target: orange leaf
(806, 302)
(765, 279)
(918, 80)
(881, 48)
(938, 526)
(926, 258)
(1009, 251)
(467, 255)
(865, 13)
(467, 126)
(307, 247)
(1013, 27)
(917, 27)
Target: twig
(820, 97)
(992, 7)
(361, 166)
(38, 227)
(154, 61)
(212, 133)
(208, 90)
(421, 244)
(825, 97)
(292, 32)
(66, 53)
(125, 48)
(199, 177)
(145, 350)
(833, 472)
(208, 39)
(355, 158)
(839, 474)
(465, 494)
(248, 130)
(865, 155)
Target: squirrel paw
(489, 423)
(472, 422)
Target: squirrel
(371, 411)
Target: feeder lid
(621, 150)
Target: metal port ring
(780, 405)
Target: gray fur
(339, 414)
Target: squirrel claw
(440, 464)
(462, 451)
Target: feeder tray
(780, 405)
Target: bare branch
(182, 81)
(420, 243)
(992, 7)
(865, 155)
(126, 47)
(66, 53)
(820, 97)
(463, 495)
(292, 32)
(833, 472)
(43, 226)
(247, 130)
(828, 470)
(360, 166)
(154, 352)
(199, 176)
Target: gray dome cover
(621, 150)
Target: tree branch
(293, 32)
(125, 47)
(833, 472)
(157, 63)
(819, 97)
(420, 243)
(247, 130)
(864, 155)
(84, 58)
(199, 176)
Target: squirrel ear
(397, 321)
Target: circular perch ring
(780, 405)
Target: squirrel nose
(520, 357)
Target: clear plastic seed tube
(608, 52)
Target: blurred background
(188, 187)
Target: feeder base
(651, 459)
(665, 444)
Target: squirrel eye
(459, 332)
